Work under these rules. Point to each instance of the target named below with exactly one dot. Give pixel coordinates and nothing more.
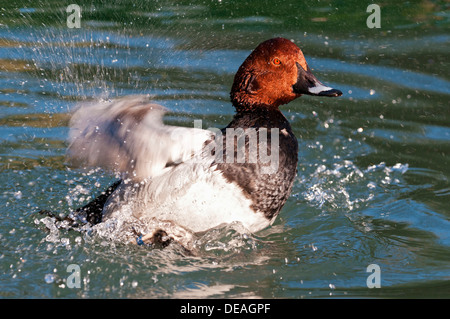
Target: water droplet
(371, 185)
(49, 278)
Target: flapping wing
(127, 135)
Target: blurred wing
(127, 135)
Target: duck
(175, 182)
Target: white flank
(190, 195)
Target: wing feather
(127, 135)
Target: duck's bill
(307, 83)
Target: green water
(373, 175)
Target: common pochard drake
(177, 181)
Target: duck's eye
(276, 61)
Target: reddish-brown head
(275, 73)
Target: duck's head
(275, 73)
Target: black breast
(267, 183)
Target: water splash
(344, 186)
(230, 239)
(123, 229)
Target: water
(373, 177)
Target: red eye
(276, 61)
